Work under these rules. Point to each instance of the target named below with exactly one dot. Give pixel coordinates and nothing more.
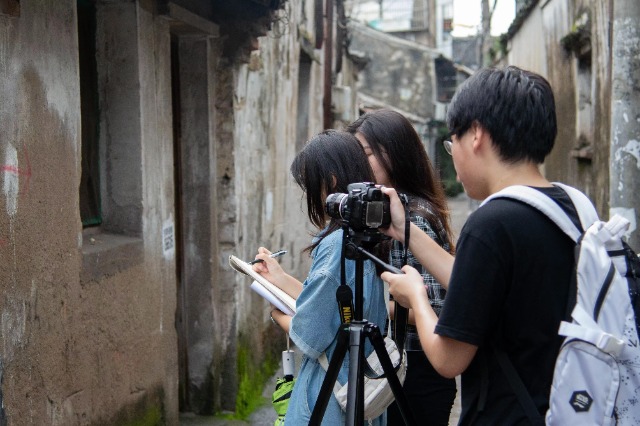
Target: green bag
(281, 396)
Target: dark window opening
(90, 210)
(446, 79)
(304, 81)
(10, 7)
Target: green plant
(252, 376)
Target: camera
(365, 208)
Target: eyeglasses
(447, 146)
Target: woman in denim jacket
(327, 164)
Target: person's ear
(481, 136)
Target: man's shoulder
(499, 210)
(510, 210)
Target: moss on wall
(147, 411)
(253, 374)
(152, 417)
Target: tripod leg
(332, 375)
(373, 332)
(355, 389)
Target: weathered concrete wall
(101, 348)
(625, 115)
(257, 133)
(580, 74)
(41, 295)
(260, 205)
(528, 46)
(89, 317)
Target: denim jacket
(316, 322)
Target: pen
(274, 254)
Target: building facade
(142, 143)
(589, 50)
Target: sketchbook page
(259, 288)
(243, 267)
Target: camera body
(365, 208)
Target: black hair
(515, 106)
(329, 162)
(399, 149)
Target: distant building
(465, 51)
(426, 22)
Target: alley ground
(460, 207)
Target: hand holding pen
(272, 255)
(266, 265)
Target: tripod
(352, 336)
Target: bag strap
(586, 212)
(324, 363)
(401, 314)
(525, 400)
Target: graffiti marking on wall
(12, 173)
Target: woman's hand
(408, 289)
(280, 319)
(269, 267)
(396, 229)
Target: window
(10, 7)
(111, 182)
(90, 181)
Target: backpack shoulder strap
(550, 208)
(586, 211)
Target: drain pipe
(327, 115)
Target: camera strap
(401, 314)
(344, 295)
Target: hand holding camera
(365, 209)
(395, 229)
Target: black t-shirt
(509, 286)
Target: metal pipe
(327, 116)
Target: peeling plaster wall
(266, 204)
(575, 88)
(39, 219)
(260, 205)
(73, 351)
(85, 345)
(625, 116)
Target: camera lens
(334, 205)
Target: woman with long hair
(327, 164)
(399, 160)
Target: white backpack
(596, 380)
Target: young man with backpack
(508, 288)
